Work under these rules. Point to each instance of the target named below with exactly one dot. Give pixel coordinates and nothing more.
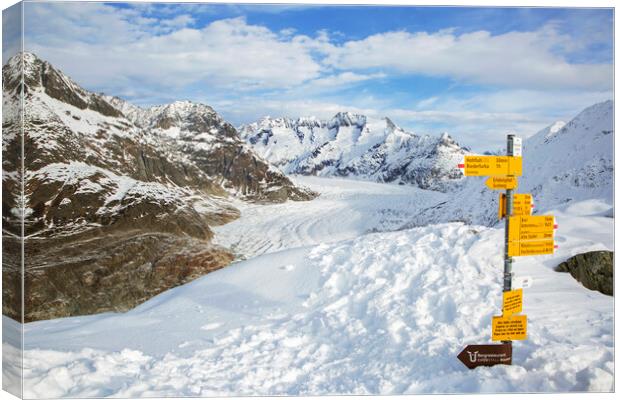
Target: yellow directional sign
(501, 182)
(521, 204)
(535, 236)
(530, 248)
(510, 328)
(492, 165)
(513, 302)
(523, 224)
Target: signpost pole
(509, 204)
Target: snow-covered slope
(356, 146)
(562, 164)
(381, 313)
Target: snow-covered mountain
(356, 146)
(562, 164)
(117, 209)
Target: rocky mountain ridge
(356, 146)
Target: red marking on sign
(556, 246)
(461, 165)
(555, 226)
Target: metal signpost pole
(509, 204)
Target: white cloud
(482, 120)
(345, 78)
(514, 59)
(158, 54)
(229, 53)
(179, 21)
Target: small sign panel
(517, 146)
(513, 302)
(501, 211)
(522, 282)
(510, 328)
(523, 224)
(531, 248)
(535, 236)
(492, 166)
(486, 355)
(501, 182)
(521, 204)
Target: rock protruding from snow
(356, 146)
(593, 269)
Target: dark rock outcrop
(594, 269)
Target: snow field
(345, 209)
(380, 314)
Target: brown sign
(486, 355)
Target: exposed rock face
(114, 211)
(214, 146)
(114, 270)
(358, 146)
(594, 269)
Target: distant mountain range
(356, 146)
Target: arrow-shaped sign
(486, 355)
(492, 165)
(523, 224)
(531, 248)
(501, 182)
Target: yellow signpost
(510, 328)
(501, 182)
(492, 165)
(525, 235)
(522, 204)
(513, 302)
(531, 248)
(529, 224)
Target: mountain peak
(346, 118)
(40, 75)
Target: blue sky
(476, 73)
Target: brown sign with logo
(486, 355)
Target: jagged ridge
(357, 146)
